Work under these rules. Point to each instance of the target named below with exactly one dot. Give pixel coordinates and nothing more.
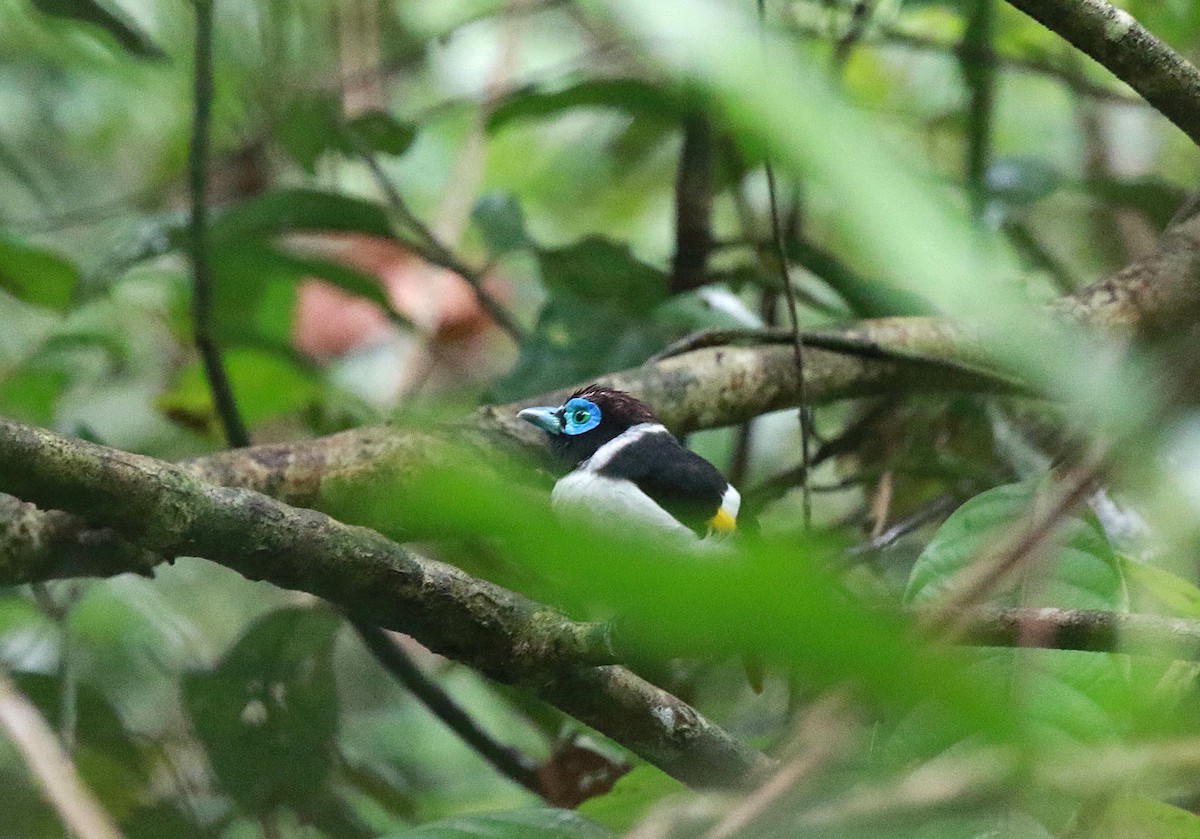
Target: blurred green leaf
(313, 125)
(575, 340)
(162, 820)
(107, 757)
(265, 384)
(630, 798)
(255, 284)
(293, 210)
(1085, 573)
(1065, 696)
(309, 128)
(382, 784)
(776, 598)
(516, 824)
(597, 269)
(381, 132)
(1135, 816)
(267, 714)
(630, 95)
(501, 223)
(1167, 592)
(1155, 197)
(93, 13)
(36, 276)
(31, 393)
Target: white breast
(588, 498)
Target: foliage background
(541, 140)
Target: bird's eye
(579, 416)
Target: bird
(628, 466)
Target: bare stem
(44, 756)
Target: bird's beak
(544, 418)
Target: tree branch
(1080, 629)
(501, 634)
(39, 545)
(1135, 56)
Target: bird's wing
(679, 481)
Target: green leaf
(92, 13)
(309, 128)
(313, 125)
(630, 95)
(1174, 595)
(253, 296)
(631, 797)
(268, 713)
(108, 759)
(349, 279)
(31, 393)
(517, 824)
(1085, 574)
(1141, 817)
(36, 276)
(1155, 197)
(255, 285)
(575, 340)
(265, 385)
(380, 132)
(1064, 696)
(598, 269)
(501, 223)
(293, 210)
(159, 820)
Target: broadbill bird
(629, 468)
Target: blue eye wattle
(580, 415)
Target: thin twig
(935, 509)
(429, 248)
(31, 734)
(793, 319)
(505, 759)
(848, 440)
(202, 281)
(860, 16)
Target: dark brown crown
(617, 404)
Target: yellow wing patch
(723, 522)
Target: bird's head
(591, 417)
